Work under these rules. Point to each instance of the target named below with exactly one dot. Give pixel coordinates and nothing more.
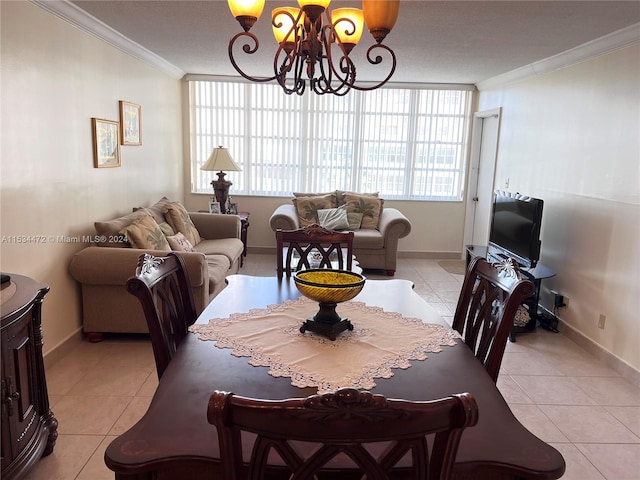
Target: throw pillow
(334, 199)
(341, 195)
(355, 220)
(108, 233)
(307, 208)
(369, 206)
(145, 233)
(179, 243)
(178, 217)
(333, 218)
(166, 229)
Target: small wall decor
(106, 143)
(130, 123)
(214, 207)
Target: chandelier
(315, 46)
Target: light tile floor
(556, 389)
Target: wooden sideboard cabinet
(29, 429)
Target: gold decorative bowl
(328, 287)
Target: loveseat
(209, 244)
(376, 228)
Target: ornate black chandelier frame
(308, 49)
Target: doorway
(484, 154)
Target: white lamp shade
(220, 160)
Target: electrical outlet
(601, 321)
(559, 300)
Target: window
(403, 143)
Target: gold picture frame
(106, 143)
(130, 123)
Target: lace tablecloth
(379, 342)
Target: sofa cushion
(231, 248)
(179, 220)
(145, 233)
(179, 243)
(217, 267)
(369, 206)
(307, 207)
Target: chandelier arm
(292, 62)
(312, 53)
(290, 47)
(376, 61)
(345, 75)
(249, 49)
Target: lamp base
(221, 190)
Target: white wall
(436, 227)
(571, 137)
(54, 79)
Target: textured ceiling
(435, 41)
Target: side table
(244, 233)
(535, 274)
(29, 429)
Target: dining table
(173, 439)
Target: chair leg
(94, 337)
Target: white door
(484, 150)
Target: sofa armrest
(114, 266)
(393, 223)
(212, 227)
(285, 218)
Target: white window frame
(366, 141)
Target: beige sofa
(375, 243)
(103, 269)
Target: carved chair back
(347, 422)
(162, 286)
(295, 249)
(490, 296)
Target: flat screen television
(515, 228)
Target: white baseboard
(63, 348)
(612, 361)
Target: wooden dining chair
(490, 296)
(162, 286)
(348, 422)
(295, 249)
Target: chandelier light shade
(348, 24)
(221, 160)
(314, 43)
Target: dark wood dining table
(173, 440)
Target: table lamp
(221, 160)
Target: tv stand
(535, 274)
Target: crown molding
(600, 46)
(91, 25)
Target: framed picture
(214, 207)
(130, 123)
(106, 143)
(233, 208)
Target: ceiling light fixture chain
(317, 46)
